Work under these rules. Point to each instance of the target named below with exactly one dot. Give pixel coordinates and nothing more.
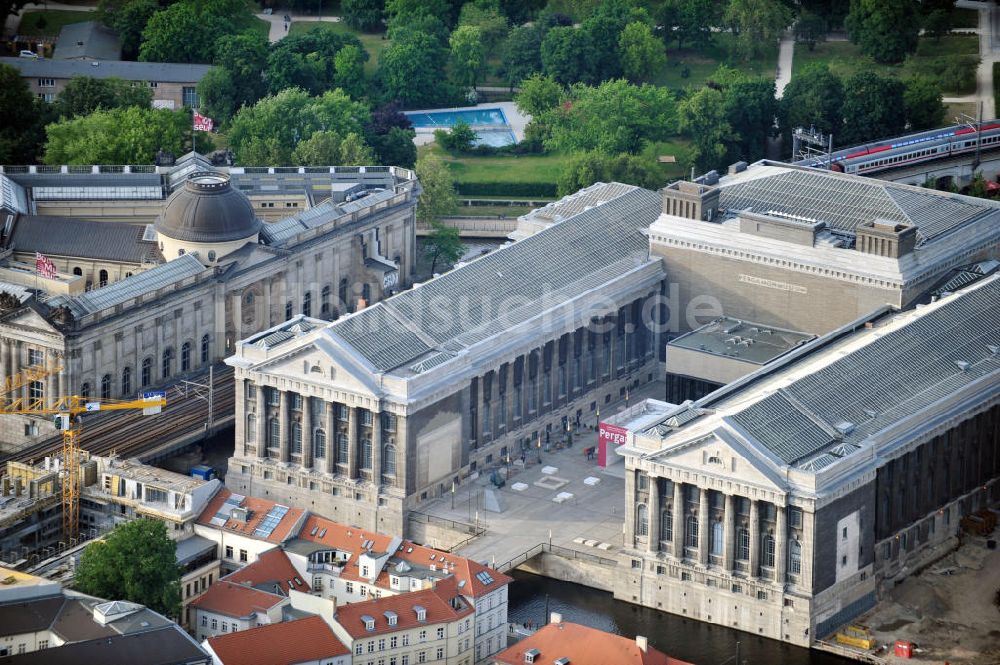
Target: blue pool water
(490, 124)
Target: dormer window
(531, 654)
(421, 613)
(391, 617)
(369, 622)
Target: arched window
(204, 349)
(296, 438)
(794, 557)
(389, 460)
(366, 453)
(642, 520)
(667, 525)
(186, 356)
(168, 362)
(324, 301)
(691, 532)
(211, 255)
(769, 551)
(251, 434)
(147, 372)
(342, 296)
(341, 448)
(743, 544)
(289, 308)
(126, 381)
(106, 386)
(103, 277)
(307, 301)
(78, 271)
(716, 546)
(85, 390)
(319, 444)
(273, 433)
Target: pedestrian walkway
(279, 24)
(786, 55)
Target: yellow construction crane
(66, 412)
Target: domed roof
(207, 209)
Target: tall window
(532, 396)
(189, 96)
(716, 545)
(106, 386)
(667, 525)
(36, 390)
(341, 448)
(103, 277)
(296, 438)
(289, 309)
(126, 381)
(562, 380)
(147, 371)
(743, 544)
(794, 557)
(486, 418)
(607, 358)
(547, 388)
(307, 301)
(502, 414)
(366, 453)
(186, 356)
(691, 532)
(366, 293)
(84, 389)
(273, 433)
(517, 402)
(251, 428)
(769, 551)
(319, 444)
(642, 520)
(168, 361)
(324, 301)
(204, 349)
(389, 460)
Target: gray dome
(207, 209)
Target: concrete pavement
(279, 28)
(786, 54)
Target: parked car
(28, 54)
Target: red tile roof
(258, 510)
(442, 602)
(583, 646)
(235, 600)
(350, 539)
(271, 566)
(283, 643)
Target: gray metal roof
(167, 72)
(276, 233)
(744, 340)
(64, 236)
(12, 195)
(844, 202)
(892, 377)
(462, 307)
(87, 39)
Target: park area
(373, 43)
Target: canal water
(692, 641)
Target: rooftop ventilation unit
(963, 365)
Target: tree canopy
(688, 21)
(756, 24)
(84, 95)
(135, 562)
(642, 54)
(128, 18)
(521, 54)
(566, 55)
(923, 103)
(130, 135)
(814, 98)
(187, 31)
(437, 200)
(538, 95)
(872, 105)
(412, 71)
(586, 168)
(467, 57)
(363, 15)
(702, 116)
(886, 30)
(22, 130)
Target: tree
(458, 139)
(437, 199)
(184, 32)
(938, 24)
(22, 130)
(641, 53)
(688, 21)
(750, 111)
(395, 147)
(403, 11)
(831, 11)
(128, 18)
(809, 29)
(872, 105)
(886, 30)
(978, 186)
(586, 168)
(613, 117)
(349, 70)
(467, 58)
(135, 562)
(217, 95)
(412, 72)
(324, 148)
(604, 28)
(522, 54)
(244, 56)
(702, 118)
(538, 95)
(519, 11)
(756, 24)
(363, 15)
(308, 60)
(485, 15)
(566, 55)
(84, 95)
(922, 100)
(130, 135)
(813, 98)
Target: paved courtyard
(590, 520)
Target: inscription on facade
(772, 284)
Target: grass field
(373, 43)
(845, 59)
(493, 211)
(253, 23)
(49, 23)
(513, 168)
(701, 63)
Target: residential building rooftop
(251, 516)
(440, 604)
(271, 572)
(167, 645)
(87, 40)
(238, 601)
(286, 643)
(166, 72)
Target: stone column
(808, 552)
(654, 515)
(261, 431)
(4, 360)
(729, 521)
(678, 520)
(630, 504)
(780, 547)
(377, 448)
(50, 380)
(307, 432)
(61, 380)
(330, 426)
(704, 528)
(352, 442)
(754, 537)
(283, 408)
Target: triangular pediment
(722, 455)
(322, 363)
(27, 318)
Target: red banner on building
(44, 266)
(202, 123)
(609, 437)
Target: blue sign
(154, 394)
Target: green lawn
(50, 23)
(952, 60)
(493, 211)
(699, 64)
(373, 43)
(251, 22)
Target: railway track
(130, 434)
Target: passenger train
(911, 149)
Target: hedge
(510, 189)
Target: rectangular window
(243, 556)
(46, 83)
(517, 402)
(795, 518)
(190, 97)
(36, 357)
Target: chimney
(691, 200)
(642, 643)
(555, 617)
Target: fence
(557, 550)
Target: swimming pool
(490, 124)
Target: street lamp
(539, 451)
(453, 495)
